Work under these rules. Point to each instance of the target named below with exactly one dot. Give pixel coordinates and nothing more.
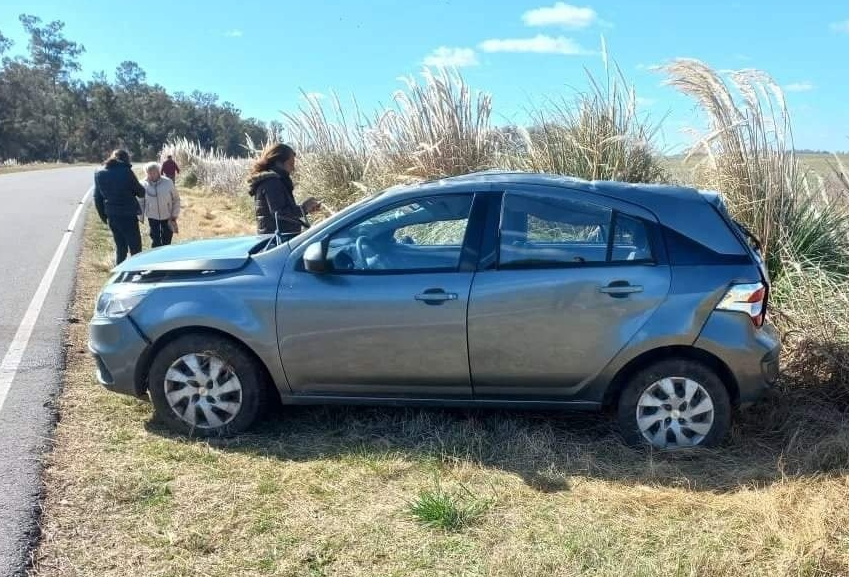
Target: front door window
(422, 235)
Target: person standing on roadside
(116, 190)
(170, 168)
(271, 186)
(161, 205)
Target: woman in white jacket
(161, 205)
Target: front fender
(241, 305)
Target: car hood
(219, 254)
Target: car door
(389, 316)
(571, 280)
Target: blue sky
(259, 54)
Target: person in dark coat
(271, 186)
(116, 194)
(170, 168)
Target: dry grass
(331, 491)
(9, 167)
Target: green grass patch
(451, 511)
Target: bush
(188, 177)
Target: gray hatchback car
(491, 290)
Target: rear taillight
(746, 298)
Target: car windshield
(320, 226)
(277, 240)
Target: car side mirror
(314, 259)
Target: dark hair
(169, 156)
(119, 155)
(270, 155)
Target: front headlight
(118, 302)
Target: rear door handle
(620, 289)
(435, 296)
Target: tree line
(47, 113)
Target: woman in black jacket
(273, 191)
(116, 193)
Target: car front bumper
(752, 354)
(118, 346)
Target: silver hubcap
(675, 412)
(203, 390)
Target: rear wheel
(675, 404)
(206, 386)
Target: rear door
(570, 280)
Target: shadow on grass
(800, 431)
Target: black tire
(253, 388)
(684, 368)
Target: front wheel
(205, 386)
(675, 404)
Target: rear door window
(630, 240)
(541, 231)
(544, 232)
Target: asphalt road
(36, 209)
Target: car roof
(684, 209)
(629, 192)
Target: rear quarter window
(684, 251)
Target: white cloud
(445, 57)
(561, 14)
(539, 44)
(804, 86)
(642, 101)
(234, 33)
(643, 66)
(314, 96)
(842, 26)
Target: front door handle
(620, 288)
(436, 296)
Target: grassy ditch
(361, 491)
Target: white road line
(13, 357)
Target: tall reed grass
(595, 135)
(749, 156)
(333, 157)
(439, 126)
(210, 169)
